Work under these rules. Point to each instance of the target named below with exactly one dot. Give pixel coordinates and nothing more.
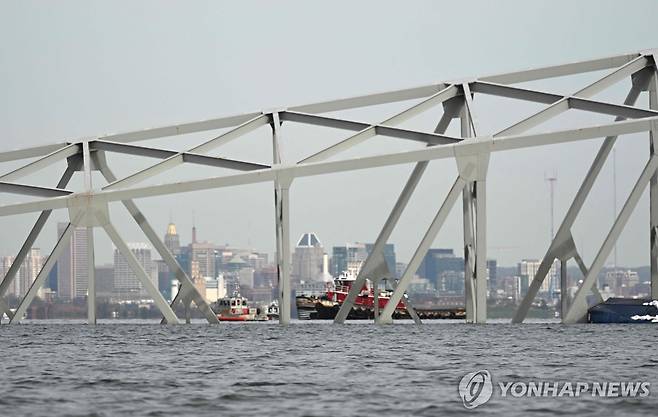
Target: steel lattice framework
(471, 151)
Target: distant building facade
(126, 284)
(307, 259)
(73, 265)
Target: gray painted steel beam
(502, 90)
(31, 238)
(578, 308)
(480, 251)
(284, 271)
(561, 70)
(32, 190)
(143, 278)
(64, 240)
(574, 102)
(390, 223)
(320, 168)
(32, 152)
(468, 217)
(564, 289)
(340, 104)
(426, 242)
(563, 104)
(41, 163)
(91, 283)
(367, 133)
(163, 251)
(180, 129)
(653, 191)
(179, 158)
(324, 121)
(188, 157)
(564, 231)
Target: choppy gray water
(312, 368)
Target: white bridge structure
(471, 151)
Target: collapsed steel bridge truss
(471, 150)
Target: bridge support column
(282, 224)
(564, 289)
(653, 189)
(91, 281)
(474, 169)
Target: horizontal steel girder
(483, 144)
(32, 190)
(345, 103)
(188, 157)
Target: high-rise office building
(29, 270)
(5, 264)
(307, 259)
(345, 257)
(73, 265)
(126, 284)
(172, 240)
(25, 275)
(389, 256)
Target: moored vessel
(236, 308)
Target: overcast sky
(73, 69)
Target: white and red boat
(236, 308)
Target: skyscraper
(72, 266)
(126, 284)
(26, 274)
(29, 270)
(172, 240)
(307, 259)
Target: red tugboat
(327, 306)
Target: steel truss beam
(64, 240)
(367, 133)
(188, 290)
(29, 242)
(653, 190)
(484, 144)
(376, 254)
(562, 104)
(32, 190)
(563, 234)
(179, 157)
(143, 278)
(578, 309)
(457, 188)
(282, 225)
(453, 95)
(188, 157)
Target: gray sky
(84, 68)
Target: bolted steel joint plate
(87, 210)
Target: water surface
(312, 368)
